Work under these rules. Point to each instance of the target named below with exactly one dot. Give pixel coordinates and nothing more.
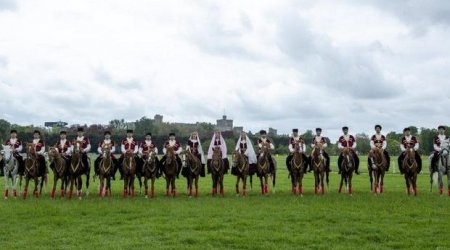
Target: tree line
(206, 130)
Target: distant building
(59, 124)
(272, 132)
(158, 119)
(238, 130)
(224, 124)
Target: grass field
(278, 221)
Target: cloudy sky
(281, 64)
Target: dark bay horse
(263, 168)
(105, 171)
(377, 170)
(194, 166)
(59, 170)
(129, 173)
(217, 172)
(410, 169)
(171, 171)
(76, 170)
(242, 166)
(319, 168)
(347, 167)
(150, 172)
(298, 169)
(31, 171)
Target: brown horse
(242, 166)
(348, 165)
(263, 168)
(105, 171)
(410, 168)
(217, 171)
(31, 171)
(194, 166)
(171, 171)
(59, 170)
(129, 173)
(76, 169)
(298, 169)
(319, 168)
(150, 172)
(377, 170)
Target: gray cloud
(8, 5)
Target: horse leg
(441, 182)
(36, 184)
(448, 182)
(125, 185)
(244, 185)
(196, 185)
(167, 185)
(237, 184)
(300, 184)
(371, 179)
(24, 195)
(350, 176)
(174, 188)
(408, 190)
(146, 186)
(55, 180)
(222, 191)
(342, 182)
(6, 185)
(189, 186)
(153, 187)
(262, 184)
(79, 187)
(382, 183)
(322, 184)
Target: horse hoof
(6, 197)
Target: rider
(16, 147)
(264, 139)
(379, 141)
(39, 148)
(64, 147)
(293, 141)
(348, 141)
(112, 148)
(320, 140)
(245, 147)
(439, 142)
(129, 145)
(85, 148)
(409, 141)
(172, 143)
(195, 146)
(217, 141)
(146, 147)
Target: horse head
(31, 151)
(106, 150)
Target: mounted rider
(107, 142)
(296, 140)
(85, 148)
(409, 142)
(16, 146)
(379, 141)
(39, 149)
(217, 141)
(64, 147)
(129, 145)
(264, 140)
(176, 145)
(145, 148)
(347, 141)
(440, 141)
(195, 147)
(321, 142)
(245, 147)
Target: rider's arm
(99, 149)
(136, 148)
(272, 146)
(140, 150)
(113, 149)
(384, 145)
(178, 150)
(372, 144)
(340, 145)
(416, 147)
(19, 149)
(42, 151)
(291, 149)
(155, 149)
(402, 147)
(354, 145)
(122, 148)
(436, 147)
(164, 150)
(88, 148)
(68, 151)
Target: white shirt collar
(13, 141)
(107, 140)
(148, 142)
(80, 138)
(36, 140)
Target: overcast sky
(280, 64)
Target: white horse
(11, 170)
(443, 169)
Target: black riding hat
(129, 131)
(262, 132)
(378, 126)
(295, 130)
(63, 132)
(441, 127)
(406, 129)
(80, 129)
(107, 133)
(37, 132)
(345, 128)
(13, 131)
(150, 134)
(318, 129)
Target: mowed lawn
(279, 221)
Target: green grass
(281, 220)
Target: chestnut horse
(59, 170)
(217, 171)
(377, 170)
(150, 172)
(105, 171)
(171, 171)
(194, 166)
(347, 167)
(32, 172)
(263, 168)
(76, 170)
(129, 173)
(242, 166)
(410, 168)
(319, 168)
(298, 169)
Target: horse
(194, 166)
(150, 172)
(347, 167)
(59, 170)
(242, 165)
(32, 172)
(298, 169)
(11, 170)
(443, 169)
(129, 173)
(105, 172)
(319, 168)
(217, 171)
(377, 170)
(263, 168)
(410, 168)
(76, 170)
(170, 171)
